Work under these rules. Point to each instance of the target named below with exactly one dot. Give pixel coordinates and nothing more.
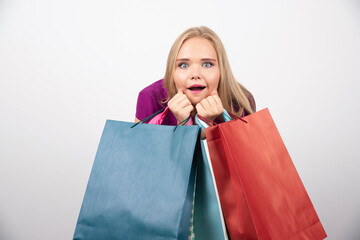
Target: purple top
(149, 102)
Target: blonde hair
(234, 96)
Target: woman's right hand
(180, 106)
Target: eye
(183, 65)
(207, 64)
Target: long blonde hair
(234, 96)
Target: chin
(196, 100)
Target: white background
(67, 66)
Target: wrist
(212, 118)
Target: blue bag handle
(226, 116)
(156, 113)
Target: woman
(198, 79)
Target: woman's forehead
(197, 47)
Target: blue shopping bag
(141, 184)
(209, 222)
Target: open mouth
(196, 88)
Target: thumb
(180, 90)
(214, 93)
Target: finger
(182, 98)
(184, 103)
(188, 109)
(172, 100)
(213, 108)
(217, 99)
(176, 98)
(184, 113)
(200, 109)
(212, 102)
(178, 94)
(205, 104)
(218, 102)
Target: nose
(195, 73)
(195, 77)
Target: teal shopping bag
(209, 222)
(141, 184)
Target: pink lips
(196, 88)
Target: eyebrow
(203, 59)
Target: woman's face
(197, 70)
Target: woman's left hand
(210, 107)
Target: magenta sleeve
(145, 105)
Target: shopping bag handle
(166, 109)
(148, 118)
(204, 122)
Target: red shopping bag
(260, 191)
